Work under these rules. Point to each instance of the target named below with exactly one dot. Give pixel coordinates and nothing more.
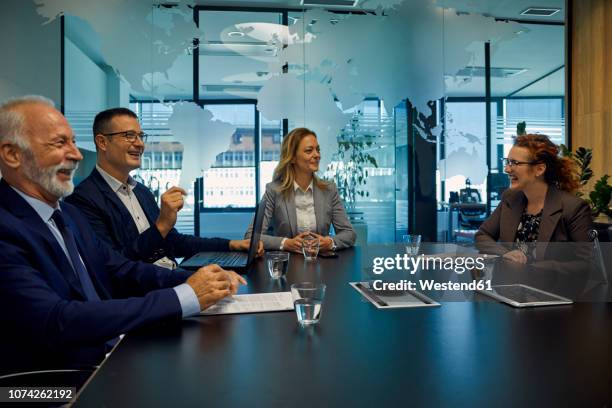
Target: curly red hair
(561, 172)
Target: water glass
(277, 262)
(412, 244)
(303, 228)
(310, 247)
(308, 301)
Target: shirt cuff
(190, 305)
(282, 244)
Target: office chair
(472, 211)
(598, 255)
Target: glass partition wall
(526, 85)
(414, 102)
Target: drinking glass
(277, 262)
(308, 301)
(412, 244)
(310, 247)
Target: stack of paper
(253, 303)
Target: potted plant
(599, 198)
(350, 172)
(582, 158)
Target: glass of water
(277, 262)
(412, 244)
(310, 247)
(308, 301)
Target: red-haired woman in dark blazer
(540, 205)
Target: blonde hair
(285, 171)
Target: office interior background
(414, 102)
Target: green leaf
(565, 152)
(601, 195)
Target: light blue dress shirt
(189, 301)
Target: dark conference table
(460, 354)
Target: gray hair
(11, 120)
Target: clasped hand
(516, 255)
(295, 244)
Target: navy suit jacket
(46, 320)
(112, 222)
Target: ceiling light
(230, 88)
(330, 3)
(473, 71)
(227, 49)
(540, 11)
(235, 34)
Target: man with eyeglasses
(122, 211)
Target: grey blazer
(280, 217)
(565, 218)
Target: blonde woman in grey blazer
(298, 203)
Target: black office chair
(598, 258)
(472, 211)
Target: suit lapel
(317, 197)
(289, 202)
(512, 217)
(141, 194)
(551, 213)
(83, 253)
(65, 267)
(118, 205)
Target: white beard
(47, 177)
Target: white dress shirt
(304, 208)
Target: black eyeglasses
(130, 136)
(512, 163)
